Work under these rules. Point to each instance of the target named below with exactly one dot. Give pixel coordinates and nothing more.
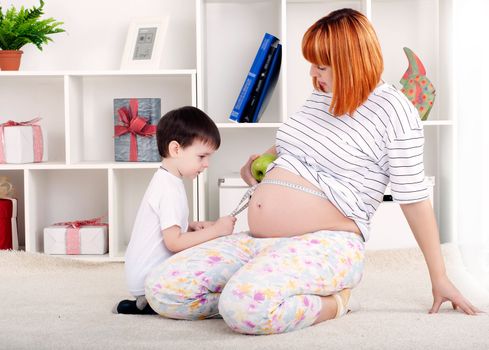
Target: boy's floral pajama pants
(257, 285)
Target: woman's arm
(421, 219)
(246, 169)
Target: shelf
(111, 73)
(91, 258)
(277, 125)
(438, 122)
(100, 73)
(247, 125)
(43, 165)
(82, 165)
(114, 165)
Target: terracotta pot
(10, 59)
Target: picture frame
(144, 43)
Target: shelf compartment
(228, 52)
(62, 195)
(300, 16)
(25, 97)
(445, 182)
(416, 24)
(128, 187)
(224, 165)
(91, 111)
(439, 162)
(100, 45)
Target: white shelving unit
(81, 180)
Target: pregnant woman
(309, 218)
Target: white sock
(141, 302)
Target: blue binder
(268, 85)
(252, 77)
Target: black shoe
(130, 307)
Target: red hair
(346, 41)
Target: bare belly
(278, 211)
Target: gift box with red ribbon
(22, 142)
(8, 224)
(135, 121)
(76, 237)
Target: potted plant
(18, 28)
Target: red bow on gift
(37, 135)
(73, 232)
(80, 223)
(135, 125)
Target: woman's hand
(444, 290)
(246, 171)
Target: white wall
(472, 76)
(95, 40)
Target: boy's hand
(199, 225)
(225, 225)
(195, 226)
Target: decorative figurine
(416, 85)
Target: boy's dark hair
(185, 125)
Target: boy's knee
(182, 302)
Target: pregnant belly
(278, 211)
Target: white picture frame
(144, 43)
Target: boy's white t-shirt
(164, 205)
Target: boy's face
(194, 159)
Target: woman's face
(324, 77)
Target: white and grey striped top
(352, 159)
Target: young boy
(186, 139)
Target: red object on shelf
(8, 223)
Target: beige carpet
(54, 303)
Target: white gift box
(93, 240)
(19, 144)
(231, 190)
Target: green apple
(260, 164)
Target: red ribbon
(135, 125)
(37, 136)
(73, 232)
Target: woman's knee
(239, 311)
(248, 310)
(258, 313)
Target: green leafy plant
(18, 28)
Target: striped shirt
(352, 159)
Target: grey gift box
(147, 149)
